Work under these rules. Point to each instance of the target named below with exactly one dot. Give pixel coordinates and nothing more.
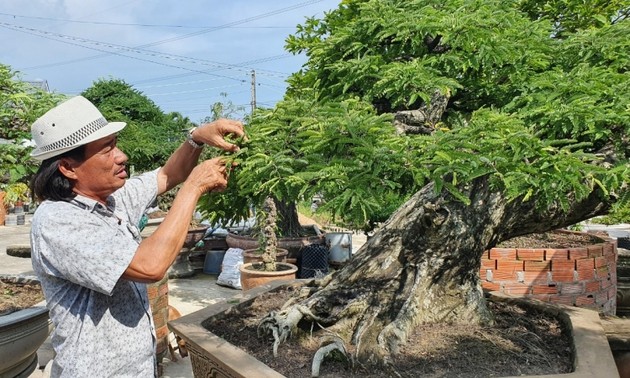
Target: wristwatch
(191, 141)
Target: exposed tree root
(329, 344)
(281, 324)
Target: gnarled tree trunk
(422, 266)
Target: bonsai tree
(486, 120)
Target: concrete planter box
(21, 334)
(212, 356)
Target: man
(86, 246)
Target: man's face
(102, 172)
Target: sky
(185, 55)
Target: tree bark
(288, 220)
(422, 266)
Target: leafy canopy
(537, 102)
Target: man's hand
(214, 133)
(209, 176)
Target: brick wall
(583, 277)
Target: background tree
(490, 119)
(20, 105)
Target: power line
(204, 31)
(139, 25)
(144, 60)
(64, 39)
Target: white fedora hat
(71, 124)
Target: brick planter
(158, 300)
(582, 277)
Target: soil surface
(553, 240)
(522, 342)
(15, 296)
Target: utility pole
(253, 91)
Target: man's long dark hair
(49, 184)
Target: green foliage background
(20, 105)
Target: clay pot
(194, 235)
(252, 277)
(293, 245)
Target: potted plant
(16, 194)
(267, 269)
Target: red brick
(488, 264)
(578, 253)
(585, 264)
(509, 265)
(603, 272)
(163, 289)
(609, 249)
(516, 289)
(498, 275)
(534, 277)
(537, 266)
(576, 288)
(592, 286)
(565, 300)
(611, 259)
(600, 261)
(562, 276)
(503, 253)
(544, 289)
(556, 254)
(585, 274)
(563, 265)
(584, 300)
(159, 321)
(161, 332)
(160, 303)
(534, 254)
(595, 250)
(152, 291)
(491, 286)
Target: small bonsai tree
(16, 193)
